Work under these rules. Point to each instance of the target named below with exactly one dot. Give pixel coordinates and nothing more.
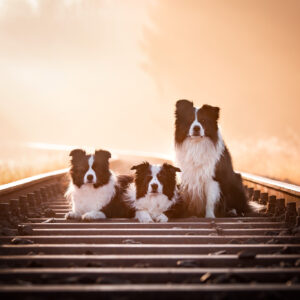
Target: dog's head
(155, 179)
(90, 169)
(195, 123)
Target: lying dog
(95, 191)
(153, 195)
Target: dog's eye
(202, 120)
(149, 177)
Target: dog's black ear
(143, 165)
(183, 104)
(212, 111)
(170, 167)
(176, 169)
(77, 153)
(103, 154)
(134, 167)
(183, 110)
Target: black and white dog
(95, 191)
(153, 194)
(209, 185)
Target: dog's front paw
(143, 217)
(93, 215)
(72, 215)
(162, 218)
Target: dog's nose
(196, 128)
(90, 177)
(154, 187)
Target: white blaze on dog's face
(196, 128)
(155, 186)
(90, 176)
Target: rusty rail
(281, 190)
(44, 256)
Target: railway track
(42, 255)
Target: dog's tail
(255, 207)
(246, 205)
(124, 181)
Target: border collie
(95, 191)
(209, 186)
(153, 194)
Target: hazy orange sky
(107, 74)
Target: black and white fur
(95, 191)
(153, 194)
(209, 185)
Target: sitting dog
(209, 185)
(153, 194)
(95, 191)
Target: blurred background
(107, 73)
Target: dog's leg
(212, 191)
(93, 215)
(72, 215)
(143, 216)
(162, 218)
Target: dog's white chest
(155, 205)
(87, 198)
(197, 160)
